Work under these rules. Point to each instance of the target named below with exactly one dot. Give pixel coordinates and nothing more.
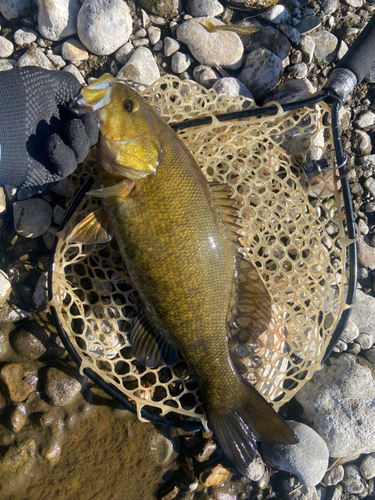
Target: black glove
(40, 143)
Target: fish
(178, 238)
(236, 28)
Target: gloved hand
(40, 142)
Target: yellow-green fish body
(179, 254)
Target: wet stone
(292, 489)
(5, 288)
(14, 377)
(49, 237)
(61, 388)
(292, 91)
(208, 448)
(214, 476)
(290, 32)
(35, 342)
(25, 36)
(17, 418)
(334, 475)
(226, 492)
(308, 24)
(271, 39)
(40, 295)
(256, 470)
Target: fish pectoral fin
(122, 189)
(252, 310)
(150, 348)
(94, 228)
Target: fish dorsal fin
(150, 348)
(251, 313)
(94, 228)
(225, 206)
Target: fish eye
(131, 105)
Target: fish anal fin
(239, 425)
(151, 349)
(94, 228)
(251, 313)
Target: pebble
(57, 19)
(369, 184)
(232, 87)
(214, 476)
(17, 418)
(329, 7)
(154, 34)
(278, 14)
(354, 3)
(340, 402)
(6, 65)
(208, 448)
(32, 217)
(124, 53)
(291, 91)
(290, 32)
(104, 25)
(308, 24)
(255, 470)
(361, 142)
(40, 296)
(180, 62)
(350, 333)
(307, 48)
(6, 47)
(60, 387)
(365, 340)
(13, 375)
(298, 71)
(205, 75)
(261, 72)
(370, 207)
(32, 341)
(35, 57)
(75, 71)
(366, 253)
(202, 8)
(308, 459)
(25, 36)
(140, 68)
(334, 475)
(325, 45)
(73, 50)
(367, 467)
(57, 61)
(342, 50)
(293, 490)
(271, 39)
(223, 48)
(352, 482)
(5, 288)
(370, 355)
(171, 46)
(11, 9)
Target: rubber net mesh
(292, 230)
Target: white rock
(3, 203)
(278, 14)
(73, 50)
(351, 332)
(6, 47)
(32, 217)
(35, 57)
(154, 34)
(232, 87)
(5, 288)
(200, 8)
(365, 119)
(11, 9)
(363, 313)
(255, 470)
(205, 75)
(171, 46)
(56, 60)
(25, 36)
(340, 402)
(307, 48)
(308, 459)
(367, 467)
(104, 25)
(124, 53)
(75, 71)
(180, 62)
(325, 45)
(141, 67)
(6, 64)
(342, 50)
(57, 19)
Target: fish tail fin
(249, 418)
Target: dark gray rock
(35, 342)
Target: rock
(61, 387)
(208, 448)
(307, 48)
(35, 57)
(271, 39)
(367, 467)
(6, 65)
(162, 447)
(291, 489)
(363, 312)
(298, 71)
(40, 295)
(308, 24)
(351, 332)
(75, 71)
(201, 8)
(325, 45)
(34, 342)
(73, 50)
(361, 142)
(308, 459)
(334, 476)
(57, 61)
(291, 91)
(205, 75)
(366, 253)
(214, 476)
(370, 355)
(104, 25)
(6, 47)
(25, 36)
(256, 470)
(14, 377)
(354, 3)
(369, 183)
(330, 6)
(171, 46)
(352, 481)
(3, 201)
(5, 288)
(141, 68)
(124, 53)
(11, 9)
(232, 87)
(365, 340)
(261, 72)
(278, 14)
(49, 237)
(340, 402)
(370, 207)
(154, 34)
(32, 217)
(161, 8)
(17, 418)
(223, 48)
(290, 32)
(180, 62)
(57, 19)
(342, 50)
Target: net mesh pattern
(292, 230)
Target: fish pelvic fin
(151, 349)
(249, 419)
(94, 228)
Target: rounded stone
(32, 217)
(73, 50)
(200, 8)
(57, 19)
(180, 62)
(334, 475)
(104, 25)
(61, 388)
(6, 47)
(171, 46)
(232, 87)
(34, 342)
(11, 9)
(308, 24)
(367, 467)
(325, 45)
(16, 377)
(223, 48)
(35, 57)
(141, 68)
(5, 288)
(25, 36)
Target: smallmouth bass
(177, 237)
